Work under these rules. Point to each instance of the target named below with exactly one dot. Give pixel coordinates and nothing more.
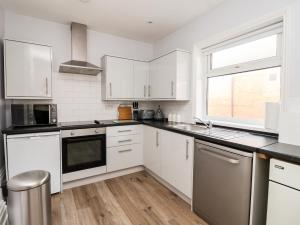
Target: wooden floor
(135, 199)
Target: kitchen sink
(189, 127)
(215, 132)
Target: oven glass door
(81, 153)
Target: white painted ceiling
(126, 18)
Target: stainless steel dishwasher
(222, 184)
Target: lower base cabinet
(170, 156)
(177, 161)
(124, 147)
(151, 150)
(122, 157)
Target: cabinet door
(35, 153)
(283, 205)
(141, 79)
(28, 69)
(123, 157)
(177, 161)
(119, 75)
(163, 77)
(151, 150)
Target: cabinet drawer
(123, 130)
(285, 173)
(123, 157)
(123, 140)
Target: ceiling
(126, 18)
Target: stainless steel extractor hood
(78, 64)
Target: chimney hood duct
(78, 64)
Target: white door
(40, 152)
(119, 75)
(163, 77)
(151, 149)
(283, 205)
(141, 79)
(177, 161)
(28, 69)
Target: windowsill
(247, 127)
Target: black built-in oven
(83, 149)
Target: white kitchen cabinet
(124, 156)
(284, 193)
(170, 76)
(170, 156)
(177, 161)
(28, 70)
(118, 131)
(117, 79)
(124, 147)
(141, 80)
(152, 155)
(38, 151)
(165, 78)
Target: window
(242, 75)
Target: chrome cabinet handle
(121, 131)
(187, 150)
(172, 88)
(125, 141)
(157, 143)
(46, 85)
(216, 155)
(126, 150)
(110, 90)
(149, 90)
(144, 90)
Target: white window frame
(276, 27)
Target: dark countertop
(282, 151)
(65, 126)
(249, 143)
(252, 142)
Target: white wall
(78, 96)
(228, 15)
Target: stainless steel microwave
(33, 115)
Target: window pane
(254, 50)
(243, 95)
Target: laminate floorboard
(134, 199)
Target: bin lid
(28, 180)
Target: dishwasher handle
(219, 156)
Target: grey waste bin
(29, 199)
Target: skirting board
(169, 186)
(101, 177)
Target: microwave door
(41, 114)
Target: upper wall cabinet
(141, 79)
(117, 79)
(28, 70)
(170, 76)
(165, 78)
(124, 79)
